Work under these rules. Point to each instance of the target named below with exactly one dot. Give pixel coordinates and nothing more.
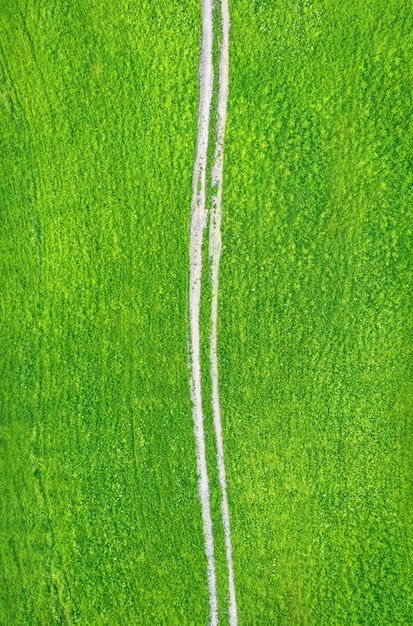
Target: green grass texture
(316, 319)
(100, 521)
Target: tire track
(197, 227)
(214, 255)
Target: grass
(316, 312)
(100, 520)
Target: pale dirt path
(214, 254)
(197, 227)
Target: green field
(100, 521)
